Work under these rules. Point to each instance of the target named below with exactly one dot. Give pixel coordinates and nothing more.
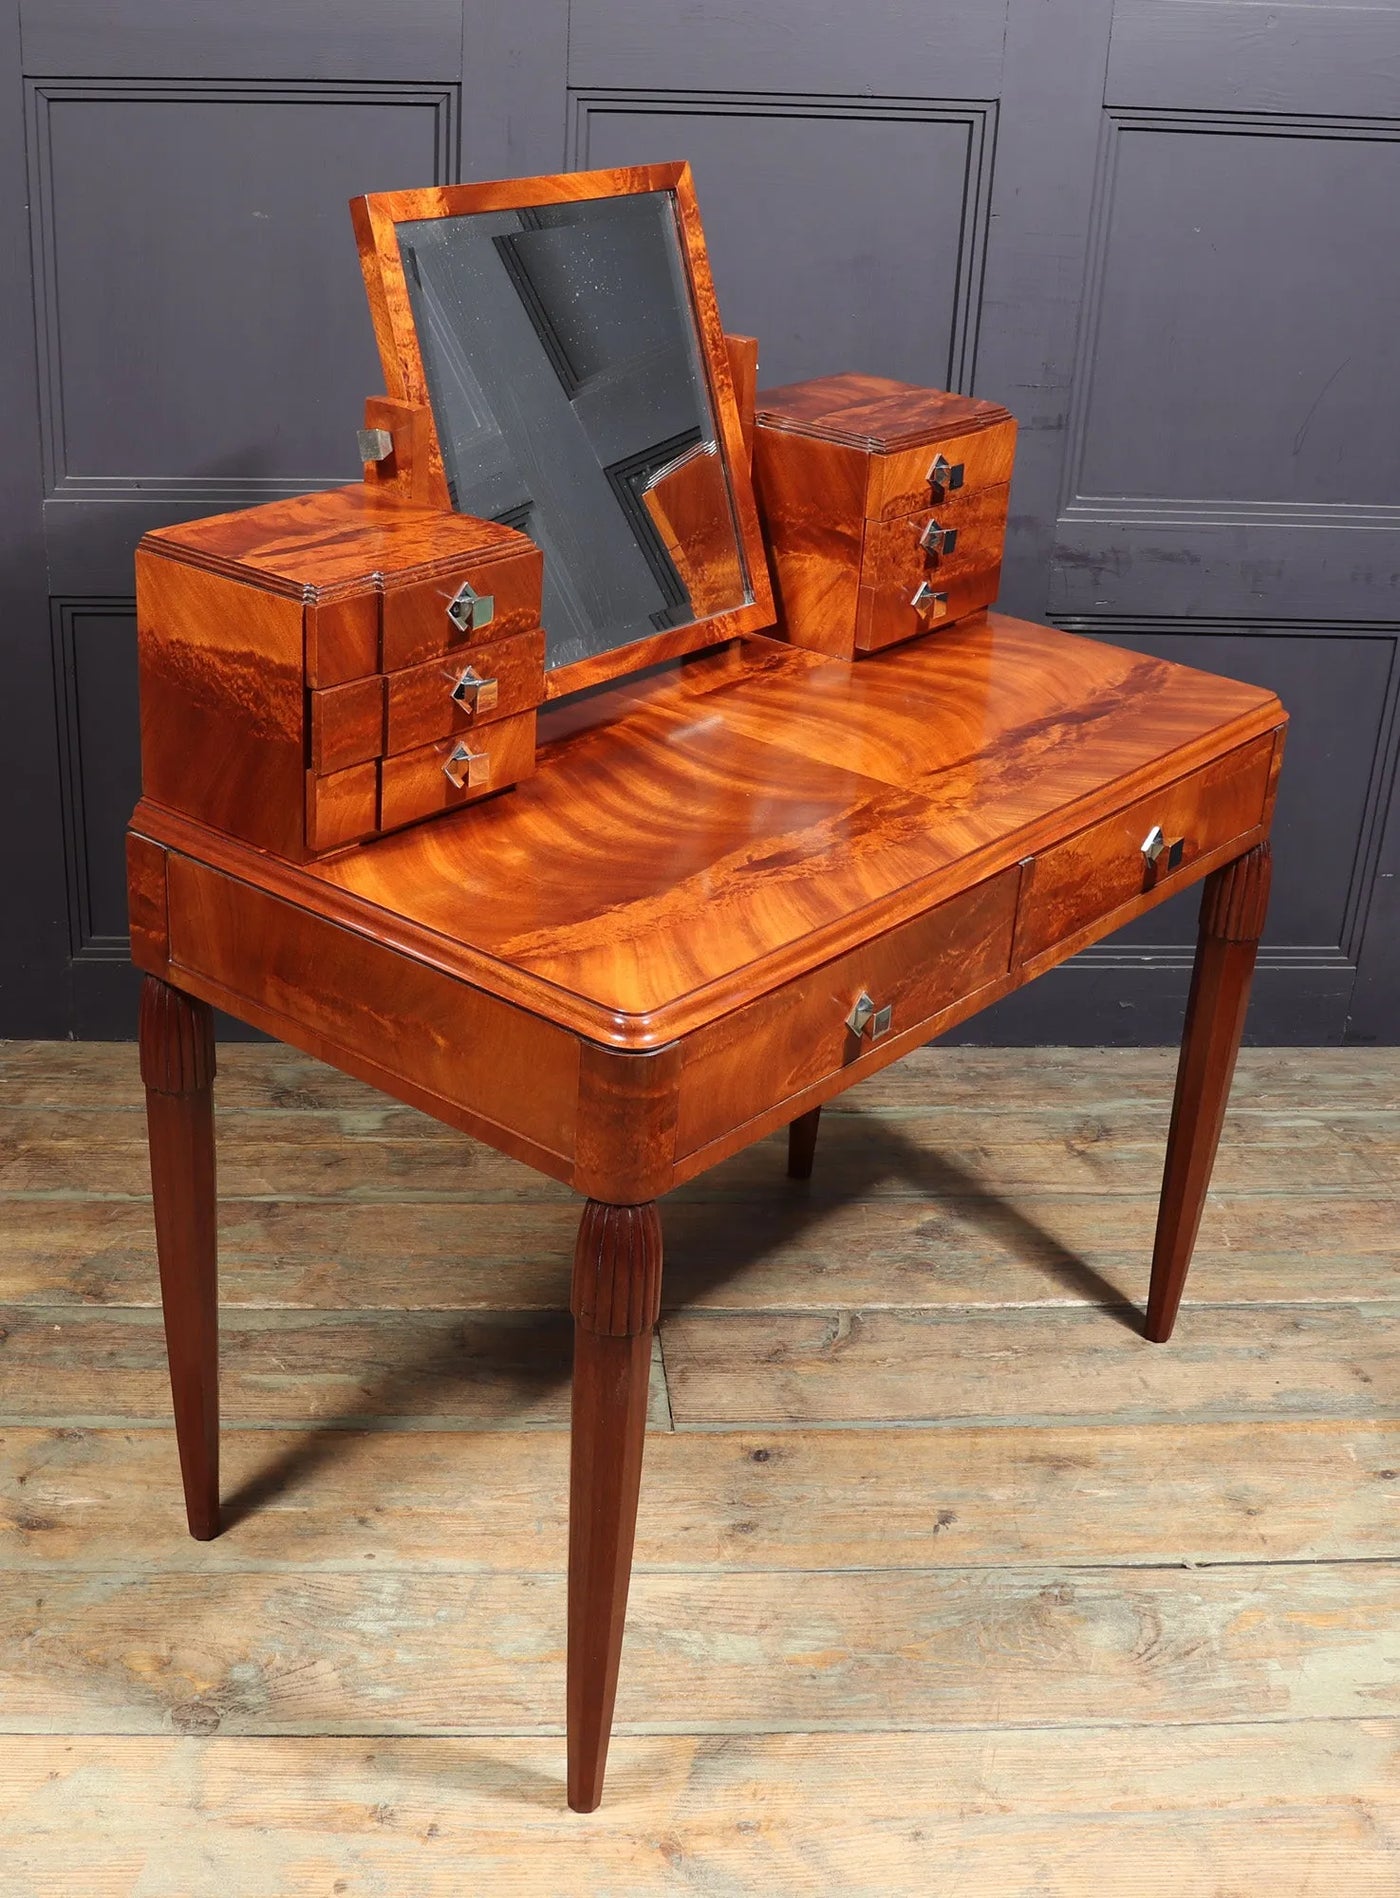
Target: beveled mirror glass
(564, 336)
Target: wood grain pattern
(291, 1654)
(347, 724)
(453, 1502)
(415, 619)
(688, 505)
(222, 702)
(1233, 907)
(810, 808)
(895, 563)
(1201, 1606)
(420, 706)
(615, 1298)
(763, 1054)
(466, 1046)
(1103, 866)
(177, 1070)
(414, 784)
(342, 808)
(873, 1815)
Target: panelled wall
(1166, 233)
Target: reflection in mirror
(569, 393)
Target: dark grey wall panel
(95, 665)
(1218, 295)
(811, 250)
(287, 39)
(1164, 233)
(938, 49)
(1339, 689)
(1259, 58)
(202, 317)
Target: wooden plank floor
(946, 1581)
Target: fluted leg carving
(802, 1144)
(1233, 906)
(177, 1068)
(616, 1299)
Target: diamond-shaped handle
(868, 1020)
(937, 539)
(473, 693)
(467, 768)
(469, 610)
(945, 474)
(928, 603)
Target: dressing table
(506, 781)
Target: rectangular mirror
(564, 336)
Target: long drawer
(790, 1039)
(1089, 876)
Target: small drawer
(347, 724)
(342, 808)
(1089, 877)
(901, 483)
(428, 618)
(453, 771)
(785, 1042)
(477, 688)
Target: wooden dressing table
(732, 885)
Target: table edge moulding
(621, 921)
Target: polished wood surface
(615, 1300)
(804, 806)
(732, 888)
(341, 591)
(376, 218)
(884, 507)
(177, 1070)
(419, 705)
(1234, 903)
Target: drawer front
(899, 484)
(421, 706)
(416, 784)
(889, 613)
(763, 1054)
(347, 724)
(342, 808)
(417, 625)
(1088, 877)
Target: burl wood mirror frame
(376, 217)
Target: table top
(694, 837)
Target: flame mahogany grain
(643, 958)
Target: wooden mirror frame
(376, 218)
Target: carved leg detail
(177, 1067)
(802, 1144)
(1233, 905)
(616, 1299)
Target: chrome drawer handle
(468, 609)
(938, 540)
(467, 768)
(473, 693)
(1162, 856)
(927, 603)
(944, 473)
(866, 1019)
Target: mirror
(563, 358)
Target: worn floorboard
(946, 1581)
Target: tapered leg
(1232, 919)
(616, 1299)
(177, 1067)
(802, 1144)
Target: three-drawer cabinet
(884, 508)
(320, 670)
